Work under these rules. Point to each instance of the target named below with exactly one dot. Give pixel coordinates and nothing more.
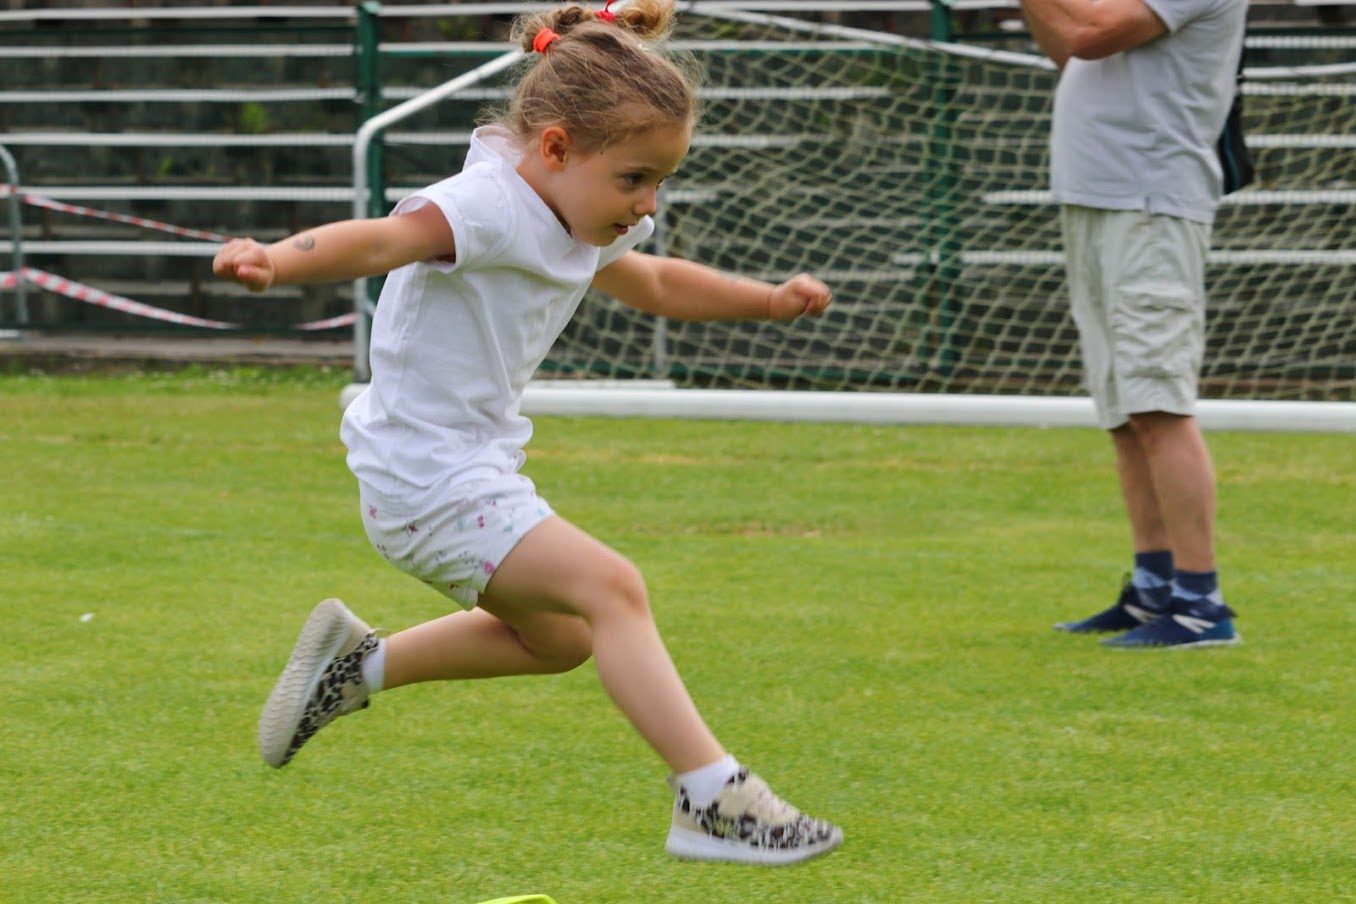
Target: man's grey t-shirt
(1137, 130)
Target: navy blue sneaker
(1183, 625)
(1129, 611)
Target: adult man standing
(1144, 90)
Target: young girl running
(486, 268)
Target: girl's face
(600, 195)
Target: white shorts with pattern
(456, 536)
(1137, 290)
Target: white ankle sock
(374, 668)
(704, 783)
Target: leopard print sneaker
(322, 681)
(747, 823)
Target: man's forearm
(1090, 29)
(1049, 22)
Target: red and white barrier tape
(49, 204)
(81, 292)
(329, 324)
(84, 293)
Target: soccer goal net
(912, 178)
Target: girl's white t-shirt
(454, 344)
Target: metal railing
(364, 199)
(16, 230)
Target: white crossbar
(911, 408)
(1037, 197)
(1279, 257)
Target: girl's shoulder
(483, 182)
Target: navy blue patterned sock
(1153, 577)
(1200, 588)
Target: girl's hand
(245, 261)
(799, 295)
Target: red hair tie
(606, 14)
(544, 39)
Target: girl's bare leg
(558, 569)
(476, 644)
(558, 593)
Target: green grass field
(862, 613)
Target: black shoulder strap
(1234, 158)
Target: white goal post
(911, 176)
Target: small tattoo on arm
(303, 243)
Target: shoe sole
(1068, 629)
(688, 845)
(1200, 644)
(327, 628)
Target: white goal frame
(660, 399)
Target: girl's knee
(621, 589)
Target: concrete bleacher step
(253, 139)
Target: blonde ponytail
(604, 78)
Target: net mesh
(913, 181)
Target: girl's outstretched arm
(670, 287)
(338, 251)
